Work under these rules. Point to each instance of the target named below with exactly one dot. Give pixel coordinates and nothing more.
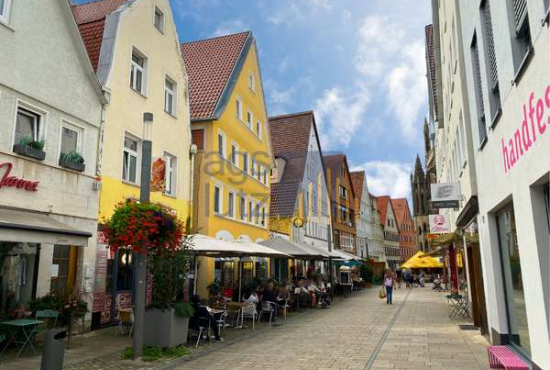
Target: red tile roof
(400, 209)
(95, 10)
(430, 58)
(209, 65)
(289, 140)
(357, 180)
(90, 18)
(382, 204)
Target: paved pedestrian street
(360, 332)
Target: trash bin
(54, 349)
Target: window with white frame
(265, 176)
(130, 159)
(231, 204)
(249, 119)
(263, 216)
(491, 68)
(170, 174)
(4, 9)
(71, 137)
(217, 199)
(239, 108)
(159, 19)
(343, 192)
(250, 210)
(251, 85)
(234, 154)
(28, 125)
(253, 166)
(170, 96)
(519, 27)
(259, 129)
(138, 72)
(243, 208)
(259, 174)
(221, 144)
(257, 214)
(245, 162)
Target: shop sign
(445, 195)
(534, 125)
(439, 224)
(7, 181)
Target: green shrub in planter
(73, 157)
(31, 143)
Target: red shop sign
(15, 182)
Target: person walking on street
(389, 284)
(398, 274)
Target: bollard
(54, 349)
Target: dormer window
(251, 83)
(159, 19)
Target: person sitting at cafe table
(283, 296)
(314, 291)
(204, 314)
(270, 295)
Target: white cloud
(387, 178)
(339, 115)
(279, 100)
(230, 27)
(283, 65)
(292, 11)
(407, 89)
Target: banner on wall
(439, 224)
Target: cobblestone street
(360, 332)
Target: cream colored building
(48, 207)
(140, 63)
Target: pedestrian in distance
(398, 274)
(389, 284)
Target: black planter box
(29, 152)
(71, 165)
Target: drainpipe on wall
(192, 154)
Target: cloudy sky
(359, 64)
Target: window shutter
(490, 43)
(520, 11)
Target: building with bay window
(48, 155)
(133, 48)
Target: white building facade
(507, 54)
(50, 119)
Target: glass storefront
(513, 281)
(17, 276)
(224, 271)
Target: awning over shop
(210, 247)
(455, 237)
(29, 227)
(422, 260)
(346, 256)
(293, 249)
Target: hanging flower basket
(145, 228)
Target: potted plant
(151, 229)
(72, 160)
(29, 147)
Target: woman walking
(389, 283)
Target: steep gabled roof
(357, 180)
(90, 18)
(400, 209)
(213, 65)
(334, 163)
(290, 141)
(382, 204)
(283, 198)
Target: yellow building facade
(140, 63)
(232, 182)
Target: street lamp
(140, 282)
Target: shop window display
(17, 280)
(513, 279)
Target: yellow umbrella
(420, 261)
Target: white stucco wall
(44, 67)
(499, 186)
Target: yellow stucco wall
(171, 133)
(214, 170)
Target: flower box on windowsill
(29, 152)
(80, 167)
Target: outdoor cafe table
(24, 328)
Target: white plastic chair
(268, 308)
(249, 311)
